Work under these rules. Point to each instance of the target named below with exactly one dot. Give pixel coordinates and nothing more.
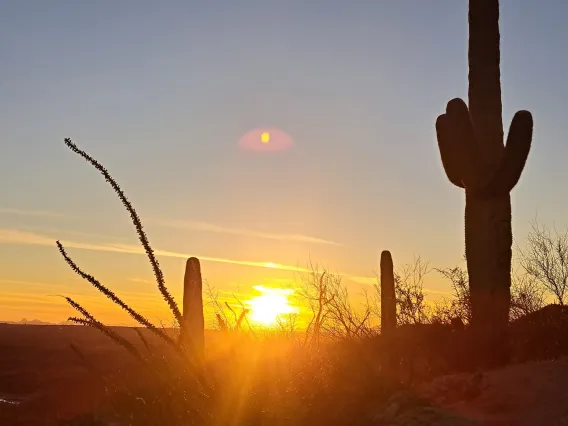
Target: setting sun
(270, 305)
(265, 137)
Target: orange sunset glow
(283, 213)
(273, 303)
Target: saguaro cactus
(388, 299)
(192, 327)
(475, 159)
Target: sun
(265, 137)
(267, 308)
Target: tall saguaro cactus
(475, 159)
(192, 327)
(388, 299)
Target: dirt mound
(541, 335)
(424, 351)
(528, 394)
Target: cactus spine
(192, 327)
(475, 159)
(388, 299)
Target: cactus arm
(461, 147)
(463, 134)
(515, 155)
(448, 154)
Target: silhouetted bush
(541, 334)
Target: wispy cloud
(61, 231)
(363, 280)
(27, 284)
(30, 213)
(209, 227)
(15, 236)
(140, 281)
(374, 280)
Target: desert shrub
(541, 334)
(227, 318)
(528, 295)
(459, 306)
(545, 259)
(409, 293)
(331, 312)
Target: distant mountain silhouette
(25, 321)
(33, 322)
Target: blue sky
(160, 92)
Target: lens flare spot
(266, 140)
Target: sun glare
(266, 140)
(273, 302)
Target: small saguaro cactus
(475, 159)
(192, 326)
(388, 298)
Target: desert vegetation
(345, 360)
(348, 358)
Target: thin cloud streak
(31, 213)
(14, 236)
(374, 280)
(209, 227)
(140, 281)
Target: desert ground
(44, 382)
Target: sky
(161, 92)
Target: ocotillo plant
(388, 299)
(147, 248)
(475, 159)
(192, 325)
